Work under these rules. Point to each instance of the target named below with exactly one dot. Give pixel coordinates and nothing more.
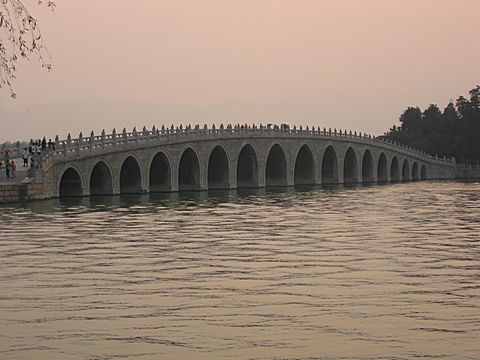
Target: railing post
(145, 132)
(103, 139)
(135, 135)
(65, 149)
(79, 143)
(92, 140)
(114, 137)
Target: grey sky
(345, 64)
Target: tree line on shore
(455, 131)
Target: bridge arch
(247, 167)
(101, 178)
(160, 173)
(423, 173)
(350, 168)
(382, 168)
(405, 170)
(71, 182)
(276, 166)
(415, 175)
(329, 166)
(189, 170)
(130, 175)
(367, 167)
(395, 170)
(304, 173)
(218, 168)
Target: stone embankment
(467, 172)
(22, 188)
(20, 192)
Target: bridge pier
(341, 175)
(375, 170)
(232, 175)
(262, 173)
(360, 170)
(174, 178)
(290, 176)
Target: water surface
(372, 272)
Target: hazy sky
(352, 64)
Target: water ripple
(374, 272)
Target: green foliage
(453, 132)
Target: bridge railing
(106, 142)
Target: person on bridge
(50, 145)
(25, 157)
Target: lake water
(364, 272)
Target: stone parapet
(467, 171)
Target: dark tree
(410, 119)
(453, 132)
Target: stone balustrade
(84, 145)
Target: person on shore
(13, 169)
(25, 157)
(44, 144)
(7, 169)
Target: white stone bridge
(165, 160)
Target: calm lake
(361, 272)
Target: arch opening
(367, 167)
(101, 180)
(394, 170)
(304, 167)
(276, 168)
(423, 173)
(329, 166)
(405, 171)
(189, 171)
(71, 184)
(350, 172)
(218, 170)
(130, 177)
(382, 171)
(160, 174)
(415, 176)
(247, 168)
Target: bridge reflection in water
(170, 160)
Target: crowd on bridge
(40, 146)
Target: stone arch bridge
(167, 160)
